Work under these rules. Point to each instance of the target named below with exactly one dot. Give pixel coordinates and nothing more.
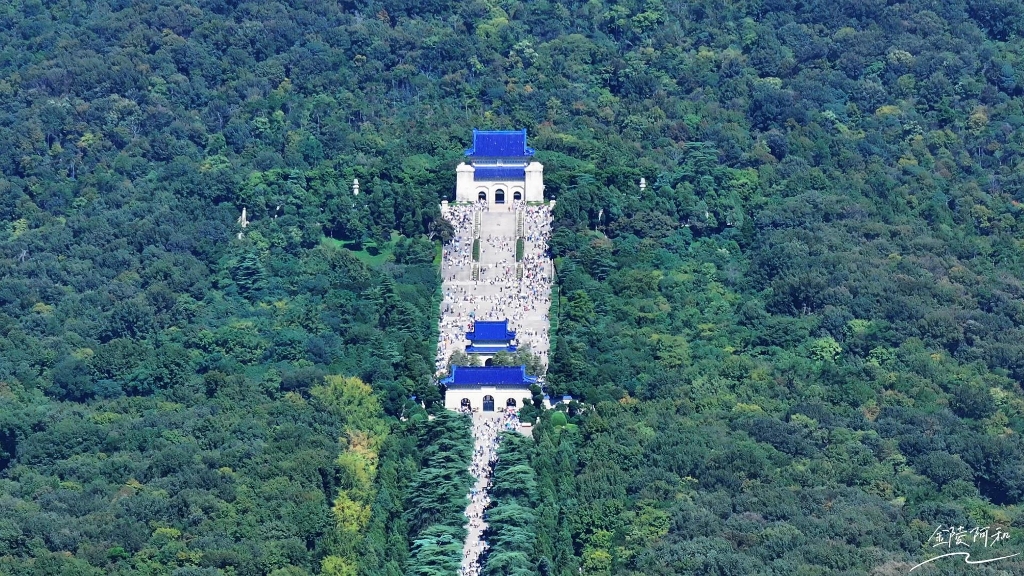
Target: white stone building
(500, 169)
(489, 389)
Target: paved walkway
(495, 288)
(503, 288)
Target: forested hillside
(798, 350)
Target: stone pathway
(499, 292)
(486, 428)
(485, 448)
(495, 288)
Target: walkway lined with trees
(495, 267)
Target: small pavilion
(489, 337)
(487, 388)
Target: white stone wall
(491, 189)
(531, 189)
(464, 183)
(453, 397)
(534, 184)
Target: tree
(249, 274)
(130, 318)
(71, 380)
(440, 229)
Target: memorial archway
(488, 403)
(511, 402)
(482, 196)
(499, 196)
(517, 195)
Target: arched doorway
(499, 196)
(482, 196)
(489, 362)
(517, 195)
(465, 405)
(488, 403)
(511, 402)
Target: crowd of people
(486, 429)
(536, 232)
(458, 253)
(500, 291)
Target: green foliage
(166, 482)
(476, 249)
(352, 400)
(520, 247)
(523, 356)
(249, 274)
(460, 358)
(558, 419)
(813, 304)
(436, 494)
(525, 516)
(414, 251)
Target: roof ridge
(500, 144)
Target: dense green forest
(798, 350)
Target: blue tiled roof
(473, 349)
(488, 376)
(499, 173)
(499, 144)
(491, 330)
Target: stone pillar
(464, 183)
(534, 187)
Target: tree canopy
(797, 350)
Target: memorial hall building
(500, 169)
